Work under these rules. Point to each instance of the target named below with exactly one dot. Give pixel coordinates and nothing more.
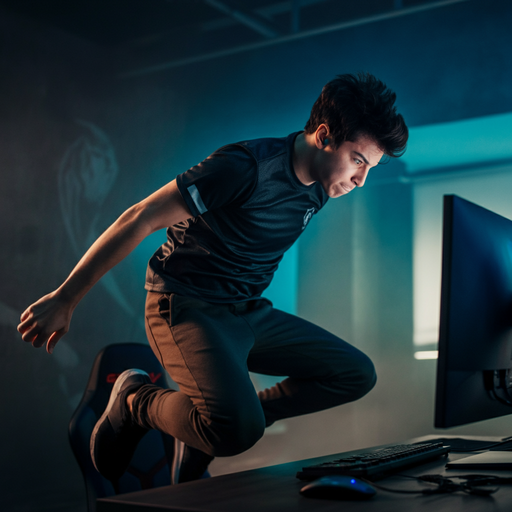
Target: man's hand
(46, 321)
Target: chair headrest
(114, 360)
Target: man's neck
(303, 152)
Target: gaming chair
(150, 465)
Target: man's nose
(360, 177)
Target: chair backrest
(149, 467)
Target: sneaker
(116, 435)
(188, 463)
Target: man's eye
(357, 161)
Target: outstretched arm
(48, 319)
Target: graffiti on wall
(87, 173)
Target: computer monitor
(474, 368)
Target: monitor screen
(474, 368)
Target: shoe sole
(113, 395)
(179, 451)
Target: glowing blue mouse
(338, 487)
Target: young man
(230, 219)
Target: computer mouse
(338, 487)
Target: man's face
(340, 170)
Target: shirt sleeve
(227, 176)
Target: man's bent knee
(365, 378)
(354, 382)
(237, 435)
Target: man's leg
(116, 435)
(204, 348)
(323, 370)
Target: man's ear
(321, 136)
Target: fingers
(31, 333)
(27, 325)
(38, 339)
(28, 331)
(25, 315)
(45, 322)
(54, 338)
(24, 321)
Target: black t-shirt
(249, 207)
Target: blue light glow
(482, 139)
(284, 288)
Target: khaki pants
(208, 350)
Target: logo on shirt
(307, 217)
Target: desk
(275, 489)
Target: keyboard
(378, 463)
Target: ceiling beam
(395, 13)
(295, 18)
(243, 17)
(263, 14)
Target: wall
(71, 162)
(79, 145)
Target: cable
(471, 484)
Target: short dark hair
(360, 105)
